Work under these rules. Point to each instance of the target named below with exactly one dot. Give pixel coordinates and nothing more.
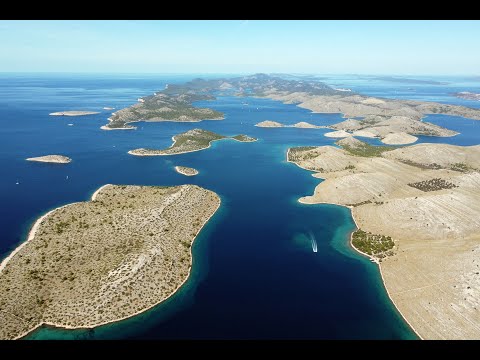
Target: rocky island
(73, 113)
(467, 95)
(300, 125)
(417, 210)
(56, 159)
(187, 171)
(399, 138)
(269, 123)
(95, 262)
(244, 138)
(189, 141)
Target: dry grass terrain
(426, 198)
(94, 262)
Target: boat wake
(313, 241)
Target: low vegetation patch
(433, 185)
(379, 246)
(367, 150)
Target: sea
(255, 273)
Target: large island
(417, 209)
(100, 261)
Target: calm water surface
(254, 273)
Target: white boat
(314, 243)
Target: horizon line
(233, 73)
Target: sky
(242, 46)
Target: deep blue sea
(254, 275)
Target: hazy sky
(367, 47)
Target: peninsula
(189, 141)
(175, 103)
(187, 171)
(90, 263)
(417, 210)
(74, 113)
(56, 159)
(381, 126)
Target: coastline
(31, 235)
(105, 127)
(34, 228)
(373, 260)
(94, 195)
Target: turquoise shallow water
(254, 273)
